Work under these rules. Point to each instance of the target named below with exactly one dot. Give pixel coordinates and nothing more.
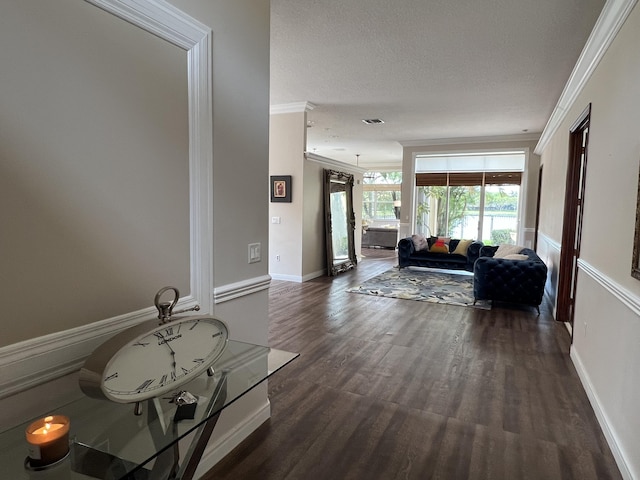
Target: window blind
(468, 179)
(503, 178)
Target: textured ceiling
(431, 69)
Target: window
(381, 196)
(481, 202)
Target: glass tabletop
(109, 441)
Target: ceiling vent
(373, 121)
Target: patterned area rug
(424, 286)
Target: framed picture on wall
(281, 188)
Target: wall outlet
(277, 258)
(275, 219)
(254, 253)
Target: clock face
(161, 359)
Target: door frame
(573, 209)
(538, 198)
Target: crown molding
(160, 18)
(525, 137)
(330, 162)
(609, 23)
(296, 107)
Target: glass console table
(108, 441)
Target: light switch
(254, 253)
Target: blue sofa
(409, 257)
(507, 280)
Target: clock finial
(165, 309)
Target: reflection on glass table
(109, 442)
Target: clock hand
(173, 353)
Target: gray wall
(94, 160)
(94, 181)
(94, 176)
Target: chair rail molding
(228, 292)
(549, 241)
(629, 299)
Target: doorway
(573, 210)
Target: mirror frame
(351, 262)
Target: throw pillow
(516, 256)
(419, 242)
(439, 247)
(463, 246)
(504, 250)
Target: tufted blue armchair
(506, 280)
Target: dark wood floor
(398, 389)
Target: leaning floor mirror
(340, 222)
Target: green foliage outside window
(460, 200)
(464, 201)
(379, 204)
(501, 237)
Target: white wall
(287, 142)
(94, 172)
(606, 335)
(299, 238)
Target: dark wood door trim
(538, 195)
(572, 220)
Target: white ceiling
(431, 69)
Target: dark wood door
(535, 238)
(573, 210)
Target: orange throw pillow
(439, 247)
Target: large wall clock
(154, 357)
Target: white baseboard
(286, 278)
(603, 420)
(217, 450)
(311, 276)
(298, 278)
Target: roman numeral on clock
(111, 377)
(145, 385)
(163, 380)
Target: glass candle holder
(48, 440)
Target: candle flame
(47, 424)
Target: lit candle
(48, 440)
